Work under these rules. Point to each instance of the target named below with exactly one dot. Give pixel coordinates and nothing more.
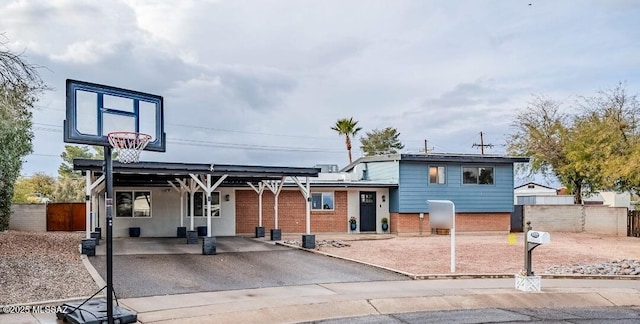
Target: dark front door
(367, 211)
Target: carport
(189, 178)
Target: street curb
(442, 276)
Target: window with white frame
(477, 175)
(437, 175)
(322, 201)
(133, 203)
(200, 204)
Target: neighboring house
(523, 192)
(480, 186)
(609, 198)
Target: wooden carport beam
(275, 187)
(208, 188)
(306, 192)
(259, 190)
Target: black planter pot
(192, 237)
(134, 231)
(209, 246)
(309, 241)
(259, 231)
(385, 226)
(353, 226)
(96, 236)
(181, 232)
(89, 247)
(202, 231)
(276, 235)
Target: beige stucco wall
(28, 217)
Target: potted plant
(353, 223)
(385, 224)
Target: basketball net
(128, 145)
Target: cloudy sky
(262, 82)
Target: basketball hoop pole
(108, 165)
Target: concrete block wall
(555, 218)
(28, 217)
(577, 218)
(605, 220)
(291, 213)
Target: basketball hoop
(128, 145)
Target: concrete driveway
(241, 263)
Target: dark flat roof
(158, 173)
(439, 157)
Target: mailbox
(538, 237)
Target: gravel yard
(42, 266)
(489, 253)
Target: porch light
(383, 198)
(226, 197)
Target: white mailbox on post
(538, 237)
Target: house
(523, 192)
(480, 186)
(160, 197)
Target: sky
(262, 82)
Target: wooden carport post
(209, 243)
(259, 190)
(276, 188)
(182, 230)
(308, 240)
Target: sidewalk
(327, 301)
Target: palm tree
(348, 128)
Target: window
(322, 200)
(436, 175)
(133, 204)
(477, 175)
(200, 204)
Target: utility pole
(482, 144)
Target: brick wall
(291, 213)
(28, 217)
(410, 223)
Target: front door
(367, 211)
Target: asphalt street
(494, 315)
(152, 275)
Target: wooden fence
(66, 217)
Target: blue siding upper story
(414, 189)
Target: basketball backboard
(95, 110)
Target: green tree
(597, 148)
(34, 189)
(71, 184)
(20, 86)
(349, 128)
(379, 142)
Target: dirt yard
(481, 254)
